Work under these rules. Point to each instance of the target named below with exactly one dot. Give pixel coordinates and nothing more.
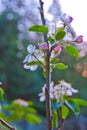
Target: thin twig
(7, 125)
(61, 120)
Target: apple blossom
(58, 91)
(42, 95)
(66, 88)
(30, 57)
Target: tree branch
(7, 125)
(48, 73)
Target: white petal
(66, 85)
(33, 68)
(26, 67)
(51, 96)
(51, 84)
(68, 37)
(63, 92)
(74, 90)
(42, 98)
(40, 94)
(31, 49)
(26, 59)
(43, 88)
(69, 92)
(52, 89)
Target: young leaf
(1, 94)
(73, 106)
(60, 34)
(33, 63)
(55, 119)
(56, 105)
(39, 28)
(80, 102)
(61, 66)
(54, 60)
(51, 40)
(72, 51)
(65, 112)
(32, 118)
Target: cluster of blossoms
(37, 56)
(58, 91)
(66, 19)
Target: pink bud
(57, 48)
(79, 39)
(43, 46)
(66, 19)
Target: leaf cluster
(16, 112)
(62, 109)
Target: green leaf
(3, 116)
(54, 60)
(61, 66)
(56, 105)
(73, 106)
(44, 74)
(1, 94)
(65, 112)
(30, 109)
(32, 118)
(51, 40)
(30, 103)
(72, 51)
(33, 63)
(39, 28)
(80, 102)
(55, 119)
(60, 34)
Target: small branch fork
(48, 73)
(7, 125)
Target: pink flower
(21, 102)
(66, 19)
(57, 48)
(43, 46)
(79, 39)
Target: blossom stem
(43, 66)
(7, 125)
(48, 73)
(61, 119)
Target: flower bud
(57, 48)
(43, 46)
(66, 19)
(79, 39)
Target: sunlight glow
(77, 9)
